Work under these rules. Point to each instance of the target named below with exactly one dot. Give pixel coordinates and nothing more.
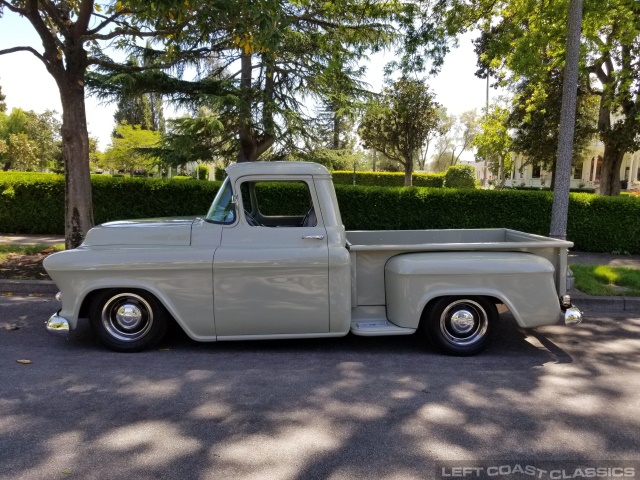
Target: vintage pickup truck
(256, 269)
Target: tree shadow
(327, 408)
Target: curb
(605, 304)
(28, 286)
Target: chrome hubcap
(462, 321)
(129, 316)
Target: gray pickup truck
(253, 269)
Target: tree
(535, 120)
(70, 32)
(493, 143)
(466, 129)
(40, 131)
(525, 39)
(445, 138)
(283, 51)
(21, 152)
(398, 123)
(134, 109)
(131, 149)
(201, 138)
(441, 129)
(44, 131)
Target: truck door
(271, 271)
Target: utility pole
(562, 175)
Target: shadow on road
(335, 408)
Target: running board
(372, 322)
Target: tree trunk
(610, 173)
(408, 173)
(248, 143)
(562, 173)
(75, 151)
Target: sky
(27, 84)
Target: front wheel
(461, 325)
(128, 320)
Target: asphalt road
(338, 408)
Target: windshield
(222, 210)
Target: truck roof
(276, 168)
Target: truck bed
(370, 251)
(439, 240)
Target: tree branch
(128, 31)
(107, 21)
(84, 17)
(23, 49)
(17, 10)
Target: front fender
(180, 278)
(522, 281)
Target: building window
(577, 172)
(535, 172)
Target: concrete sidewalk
(29, 239)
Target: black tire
(128, 320)
(460, 325)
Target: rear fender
(523, 282)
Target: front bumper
(58, 326)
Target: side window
(223, 208)
(278, 204)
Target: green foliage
(494, 142)
(203, 172)
(131, 149)
(399, 122)
(201, 138)
(460, 176)
(34, 203)
(535, 120)
(31, 140)
(525, 41)
(387, 179)
(219, 174)
(3, 105)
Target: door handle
(313, 237)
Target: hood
(150, 231)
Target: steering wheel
(250, 220)
(306, 217)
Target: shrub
(387, 179)
(203, 172)
(219, 174)
(460, 176)
(31, 203)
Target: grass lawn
(24, 262)
(605, 280)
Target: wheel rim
(127, 317)
(464, 322)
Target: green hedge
(36, 205)
(387, 179)
(598, 224)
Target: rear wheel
(128, 320)
(461, 325)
